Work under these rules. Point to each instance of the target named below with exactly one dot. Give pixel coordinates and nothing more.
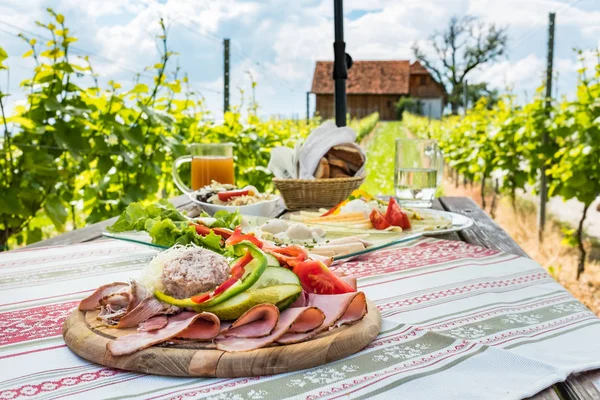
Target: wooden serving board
(86, 337)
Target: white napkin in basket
(319, 142)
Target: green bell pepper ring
(244, 273)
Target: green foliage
(364, 126)
(78, 153)
(508, 141)
(408, 104)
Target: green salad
(167, 226)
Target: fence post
(543, 179)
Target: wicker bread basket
(315, 193)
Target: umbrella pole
(340, 69)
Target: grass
(380, 160)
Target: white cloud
(510, 74)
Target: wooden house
(377, 86)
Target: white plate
(263, 209)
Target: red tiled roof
(365, 77)
(417, 69)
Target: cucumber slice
(238, 305)
(272, 261)
(276, 276)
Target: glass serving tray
(378, 239)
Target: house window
(422, 80)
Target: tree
(465, 45)
(478, 91)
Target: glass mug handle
(176, 178)
(440, 167)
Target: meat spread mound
(194, 270)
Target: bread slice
(348, 153)
(337, 172)
(322, 171)
(333, 160)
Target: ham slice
(326, 259)
(138, 293)
(146, 309)
(351, 239)
(310, 319)
(113, 307)
(349, 279)
(205, 328)
(301, 301)
(286, 320)
(257, 322)
(153, 324)
(92, 302)
(339, 309)
(176, 324)
(338, 249)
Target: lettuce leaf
(136, 215)
(168, 233)
(225, 219)
(167, 226)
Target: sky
(279, 41)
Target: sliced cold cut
(205, 328)
(339, 309)
(257, 322)
(176, 324)
(310, 319)
(114, 306)
(92, 302)
(153, 324)
(148, 308)
(286, 320)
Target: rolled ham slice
(339, 309)
(176, 324)
(205, 328)
(138, 293)
(349, 279)
(338, 249)
(153, 324)
(325, 257)
(146, 309)
(114, 306)
(257, 322)
(310, 319)
(92, 302)
(351, 239)
(301, 301)
(286, 320)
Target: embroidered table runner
(459, 322)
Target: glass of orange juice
(210, 162)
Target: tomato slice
(315, 277)
(378, 220)
(238, 237)
(224, 196)
(289, 255)
(393, 214)
(405, 221)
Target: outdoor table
(485, 232)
